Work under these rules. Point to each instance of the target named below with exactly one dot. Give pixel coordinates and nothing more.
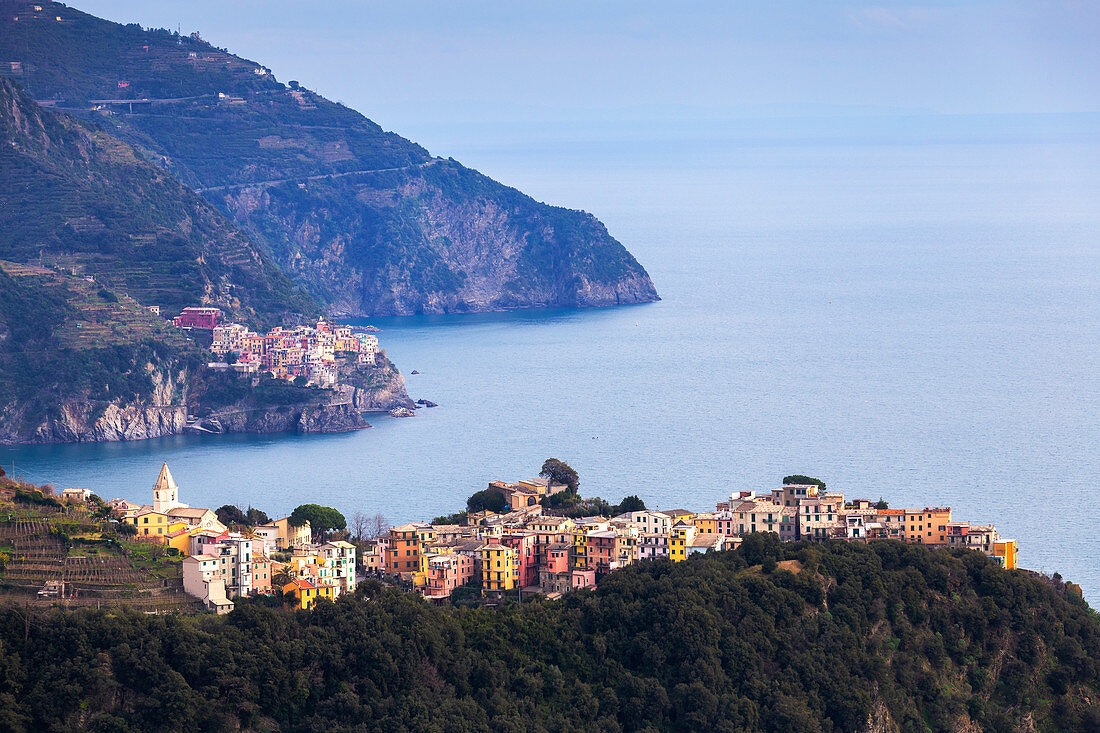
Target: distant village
(289, 353)
(524, 549)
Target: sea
(906, 308)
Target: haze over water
(909, 321)
(874, 227)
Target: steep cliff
(278, 408)
(435, 238)
(369, 223)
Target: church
(167, 515)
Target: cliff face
(79, 420)
(82, 420)
(367, 222)
(342, 411)
(435, 238)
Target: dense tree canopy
(230, 515)
(899, 635)
(803, 480)
(322, 519)
(485, 499)
(560, 472)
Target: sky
(416, 62)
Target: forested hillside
(367, 221)
(798, 637)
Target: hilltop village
(304, 353)
(524, 548)
(530, 549)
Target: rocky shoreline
(342, 411)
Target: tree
(322, 519)
(806, 480)
(230, 515)
(485, 499)
(257, 516)
(882, 504)
(379, 527)
(300, 381)
(126, 529)
(359, 524)
(560, 472)
(281, 577)
(630, 504)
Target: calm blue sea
(913, 319)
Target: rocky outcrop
(344, 410)
(437, 238)
(83, 421)
(80, 420)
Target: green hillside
(65, 341)
(367, 221)
(851, 637)
(78, 198)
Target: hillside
(78, 198)
(367, 221)
(878, 637)
(81, 362)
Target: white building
(203, 579)
(166, 495)
(342, 556)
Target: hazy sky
(403, 61)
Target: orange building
(927, 526)
(406, 547)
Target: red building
(526, 556)
(198, 318)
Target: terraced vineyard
(92, 574)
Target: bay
(912, 320)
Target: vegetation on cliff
(70, 349)
(83, 200)
(367, 221)
(835, 637)
(64, 340)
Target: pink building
(261, 574)
(526, 556)
(447, 572)
(557, 557)
(583, 579)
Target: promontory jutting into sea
(307, 425)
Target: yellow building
(1005, 553)
(706, 523)
(679, 540)
(579, 556)
(498, 568)
(149, 523)
(179, 537)
(289, 535)
(305, 593)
